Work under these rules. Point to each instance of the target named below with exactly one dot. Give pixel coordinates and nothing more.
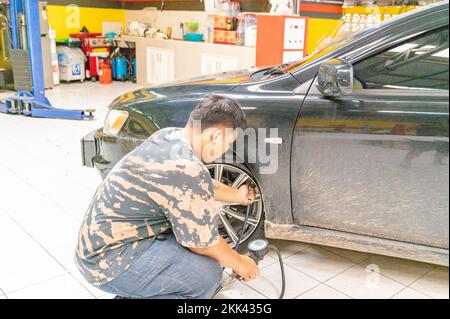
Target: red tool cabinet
(96, 47)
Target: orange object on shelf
(224, 23)
(225, 37)
(105, 73)
(280, 39)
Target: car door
(375, 162)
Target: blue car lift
(33, 103)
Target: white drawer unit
(212, 63)
(160, 65)
(294, 33)
(291, 56)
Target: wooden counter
(159, 61)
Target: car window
(294, 66)
(419, 63)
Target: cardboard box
(224, 23)
(231, 37)
(219, 36)
(225, 37)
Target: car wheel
(232, 225)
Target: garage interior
(92, 52)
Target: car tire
(257, 231)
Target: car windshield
(341, 38)
(292, 66)
(315, 55)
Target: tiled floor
(45, 191)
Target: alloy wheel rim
(232, 216)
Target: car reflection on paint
(363, 159)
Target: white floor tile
(238, 290)
(62, 287)
(409, 293)
(269, 283)
(2, 294)
(106, 296)
(434, 283)
(318, 263)
(92, 289)
(6, 93)
(287, 247)
(23, 262)
(322, 292)
(402, 270)
(42, 219)
(354, 256)
(363, 283)
(46, 177)
(267, 261)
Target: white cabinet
(291, 56)
(212, 63)
(160, 65)
(294, 34)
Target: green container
(191, 27)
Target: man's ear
(216, 135)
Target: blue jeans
(168, 270)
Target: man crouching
(151, 230)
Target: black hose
(238, 242)
(283, 276)
(280, 260)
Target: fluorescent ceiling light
(442, 54)
(408, 88)
(424, 49)
(404, 47)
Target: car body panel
(380, 156)
(272, 105)
(375, 167)
(290, 103)
(202, 85)
(269, 104)
(368, 244)
(375, 39)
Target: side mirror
(335, 78)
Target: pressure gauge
(258, 248)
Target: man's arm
(228, 194)
(242, 265)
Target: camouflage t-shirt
(161, 185)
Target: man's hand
(247, 195)
(242, 265)
(227, 194)
(247, 268)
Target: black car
(362, 140)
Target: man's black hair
(215, 109)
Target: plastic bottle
(105, 74)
